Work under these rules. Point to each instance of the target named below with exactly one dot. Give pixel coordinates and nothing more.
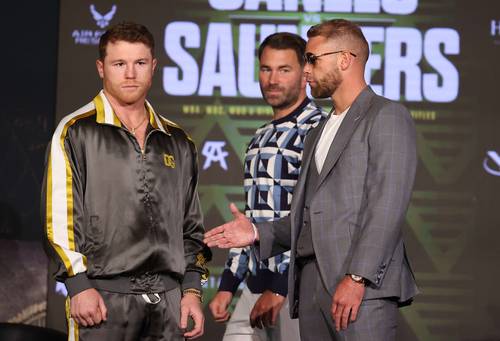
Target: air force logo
(169, 160)
(102, 20)
(90, 36)
(491, 163)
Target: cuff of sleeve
(255, 234)
(77, 284)
(229, 282)
(279, 283)
(372, 280)
(373, 274)
(263, 247)
(192, 280)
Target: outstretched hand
(237, 233)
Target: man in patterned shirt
(272, 165)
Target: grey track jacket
(113, 210)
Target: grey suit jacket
(359, 203)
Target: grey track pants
(131, 318)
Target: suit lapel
(351, 120)
(307, 155)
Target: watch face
(357, 278)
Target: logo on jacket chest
(169, 160)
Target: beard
(327, 85)
(124, 95)
(285, 98)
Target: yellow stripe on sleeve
(59, 216)
(49, 225)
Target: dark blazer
(359, 202)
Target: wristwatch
(358, 279)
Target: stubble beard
(283, 100)
(128, 97)
(327, 85)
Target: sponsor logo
(169, 160)
(91, 36)
(213, 152)
(102, 20)
(491, 163)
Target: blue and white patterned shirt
(272, 165)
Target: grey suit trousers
(376, 321)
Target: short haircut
(344, 30)
(285, 41)
(129, 32)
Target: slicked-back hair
(342, 29)
(285, 41)
(129, 32)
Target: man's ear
(303, 83)
(345, 60)
(154, 64)
(100, 68)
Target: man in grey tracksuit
(121, 210)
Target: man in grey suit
(348, 270)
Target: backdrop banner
(439, 58)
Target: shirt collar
(333, 114)
(106, 115)
(294, 113)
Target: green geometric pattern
(436, 313)
(200, 127)
(441, 222)
(445, 150)
(216, 196)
